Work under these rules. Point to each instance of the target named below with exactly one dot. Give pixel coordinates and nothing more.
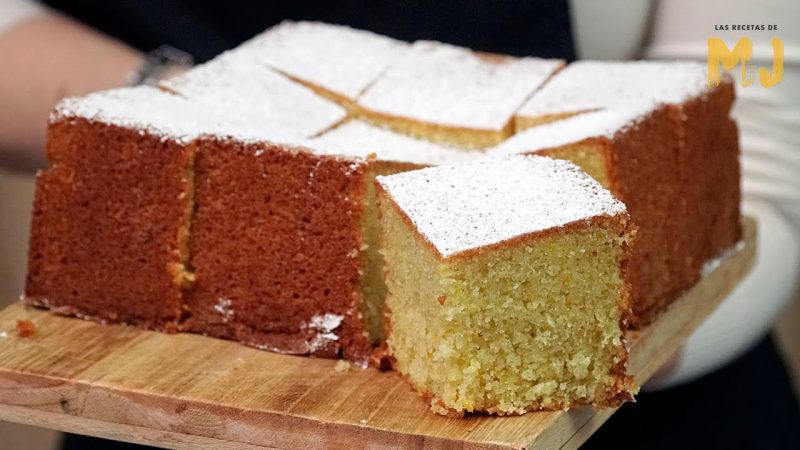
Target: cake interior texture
(532, 325)
(373, 285)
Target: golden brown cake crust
(703, 198)
(275, 243)
(108, 221)
(709, 161)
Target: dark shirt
(205, 28)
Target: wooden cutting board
(190, 391)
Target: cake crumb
(25, 328)
(342, 366)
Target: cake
(635, 152)
(336, 61)
(684, 194)
(111, 216)
(121, 222)
(507, 285)
(452, 94)
(239, 200)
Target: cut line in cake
(358, 138)
(584, 86)
(336, 61)
(249, 91)
(452, 94)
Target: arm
(43, 60)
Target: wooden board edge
(68, 423)
(73, 399)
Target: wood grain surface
(189, 391)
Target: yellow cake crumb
(342, 366)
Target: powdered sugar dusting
(338, 58)
(463, 207)
(443, 84)
(169, 116)
(224, 307)
(326, 322)
(603, 123)
(714, 263)
(326, 325)
(356, 138)
(587, 85)
(253, 92)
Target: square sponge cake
(507, 285)
(452, 94)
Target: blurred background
(739, 375)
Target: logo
(742, 54)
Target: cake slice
(336, 61)
(237, 84)
(590, 85)
(452, 94)
(507, 285)
(110, 229)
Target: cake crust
(108, 237)
(289, 281)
